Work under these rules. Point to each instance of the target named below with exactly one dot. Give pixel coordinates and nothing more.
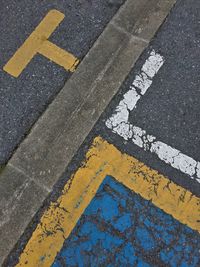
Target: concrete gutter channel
(43, 156)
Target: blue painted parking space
(119, 228)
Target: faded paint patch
(104, 159)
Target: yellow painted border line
(101, 160)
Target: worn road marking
(104, 159)
(119, 122)
(38, 42)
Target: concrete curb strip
(44, 154)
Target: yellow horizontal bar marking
(37, 42)
(104, 159)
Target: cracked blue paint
(120, 228)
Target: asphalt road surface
(169, 109)
(23, 99)
(154, 118)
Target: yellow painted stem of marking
(104, 159)
(58, 55)
(37, 42)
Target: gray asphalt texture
(169, 110)
(23, 99)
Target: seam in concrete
(128, 33)
(42, 186)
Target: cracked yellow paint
(101, 160)
(38, 42)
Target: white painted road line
(138, 88)
(119, 122)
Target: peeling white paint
(138, 88)
(119, 122)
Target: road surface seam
(30, 179)
(128, 33)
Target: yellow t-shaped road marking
(38, 42)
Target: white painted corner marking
(119, 122)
